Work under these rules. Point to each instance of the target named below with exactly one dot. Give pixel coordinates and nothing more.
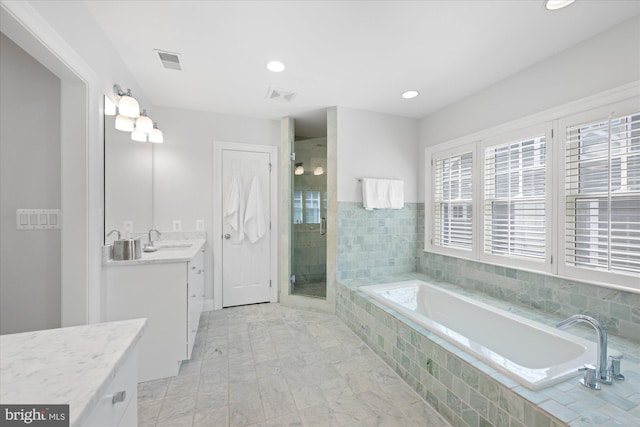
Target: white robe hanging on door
(254, 223)
(234, 206)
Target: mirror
(128, 181)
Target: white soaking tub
(530, 353)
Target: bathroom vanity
(91, 368)
(167, 288)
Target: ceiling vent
(277, 94)
(169, 60)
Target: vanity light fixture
(155, 135)
(557, 4)
(110, 108)
(143, 123)
(127, 105)
(410, 94)
(275, 66)
(124, 123)
(299, 170)
(138, 136)
(318, 170)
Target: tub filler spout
(602, 373)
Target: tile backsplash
(385, 242)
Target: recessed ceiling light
(275, 66)
(557, 4)
(410, 94)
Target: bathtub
(532, 354)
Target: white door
(246, 234)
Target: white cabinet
(118, 405)
(170, 295)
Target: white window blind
(453, 201)
(602, 194)
(514, 198)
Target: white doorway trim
(81, 157)
(218, 147)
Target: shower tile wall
(386, 242)
(377, 242)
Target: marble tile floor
(268, 365)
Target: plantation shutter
(602, 194)
(514, 198)
(453, 201)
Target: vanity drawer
(113, 404)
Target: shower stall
(309, 218)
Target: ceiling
(357, 54)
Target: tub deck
(468, 391)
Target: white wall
(183, 166)
(30, 261)
(605, 61)
(64, 37)
(374, 145)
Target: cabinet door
(156, 292)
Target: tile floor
(269, 365)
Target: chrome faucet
(602, 373)
(149, 247)
(115, 230)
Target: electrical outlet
(177, 225)
(200, 224)
(127, 226)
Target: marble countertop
(182, 250)
(71, 365)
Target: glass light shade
(299, 170)
(144, 124)
(109, 107)
(139, 136)
(124, 123)
(318, 170)
(128, 106)
(156, 136)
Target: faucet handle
(590, 378)
(614, 367)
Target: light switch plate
(199, 224)
(177, 225)
(127, 225)
(37, 219)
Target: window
(312, 205)
(560, 196)
(297, 207)
(602, 194)
(514, 199)
(453, 201)
(308, 206)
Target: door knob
(227, 236)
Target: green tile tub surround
(468, 392)
(376, 243)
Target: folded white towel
(254, 222)
(234, 206)
(382, 193)
(396, 194)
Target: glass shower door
(309, 219)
